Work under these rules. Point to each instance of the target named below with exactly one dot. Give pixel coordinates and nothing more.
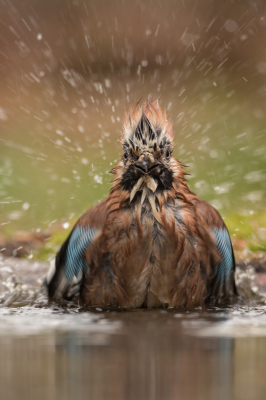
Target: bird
(152, 242)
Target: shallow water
(65, 352)
(47, 353)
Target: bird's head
(147, 141)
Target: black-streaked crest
(146, 127)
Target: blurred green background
(69, 69)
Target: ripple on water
(28, 321)
(236, 323)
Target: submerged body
(152, 242)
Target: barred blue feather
(80, 239)
(224, 268)
(70, 263)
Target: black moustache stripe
(132, 175)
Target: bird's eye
(125, 156)
(167, 154)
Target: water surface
(65, 352)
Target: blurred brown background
(70, 68)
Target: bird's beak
(146, 164)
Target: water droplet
(25, 206)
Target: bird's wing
(222, 283)
(223, 277)
(64, 278)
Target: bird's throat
(145, 184)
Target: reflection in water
(130, 355)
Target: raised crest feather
(146, 123)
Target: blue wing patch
(79, 240)
(223, 243)
(63, 279)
